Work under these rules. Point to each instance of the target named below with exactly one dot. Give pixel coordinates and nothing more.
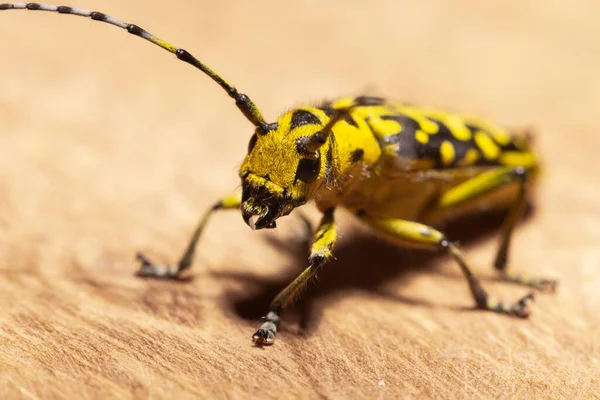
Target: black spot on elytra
(408, 124)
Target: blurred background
(111, 145)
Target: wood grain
(112, 146)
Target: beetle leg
(320, 252)
(500, 262)
(484, 184)
(416, 235)
(151, 270)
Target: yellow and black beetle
(401, 169)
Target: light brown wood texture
(110, 146)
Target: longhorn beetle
(400, 169)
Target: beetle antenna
(243, 102)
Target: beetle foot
(265, 335)
(519, 309)
(151, 270)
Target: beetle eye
(252, 143)
(308, 170)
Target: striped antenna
(243, 102)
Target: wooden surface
(110, 145)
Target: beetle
(401, 169)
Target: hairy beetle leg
(151, 270)
(416, 235)
(320, 252)
(487, 183)
(514, 215)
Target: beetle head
(280, 171)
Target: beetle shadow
(362, 261)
